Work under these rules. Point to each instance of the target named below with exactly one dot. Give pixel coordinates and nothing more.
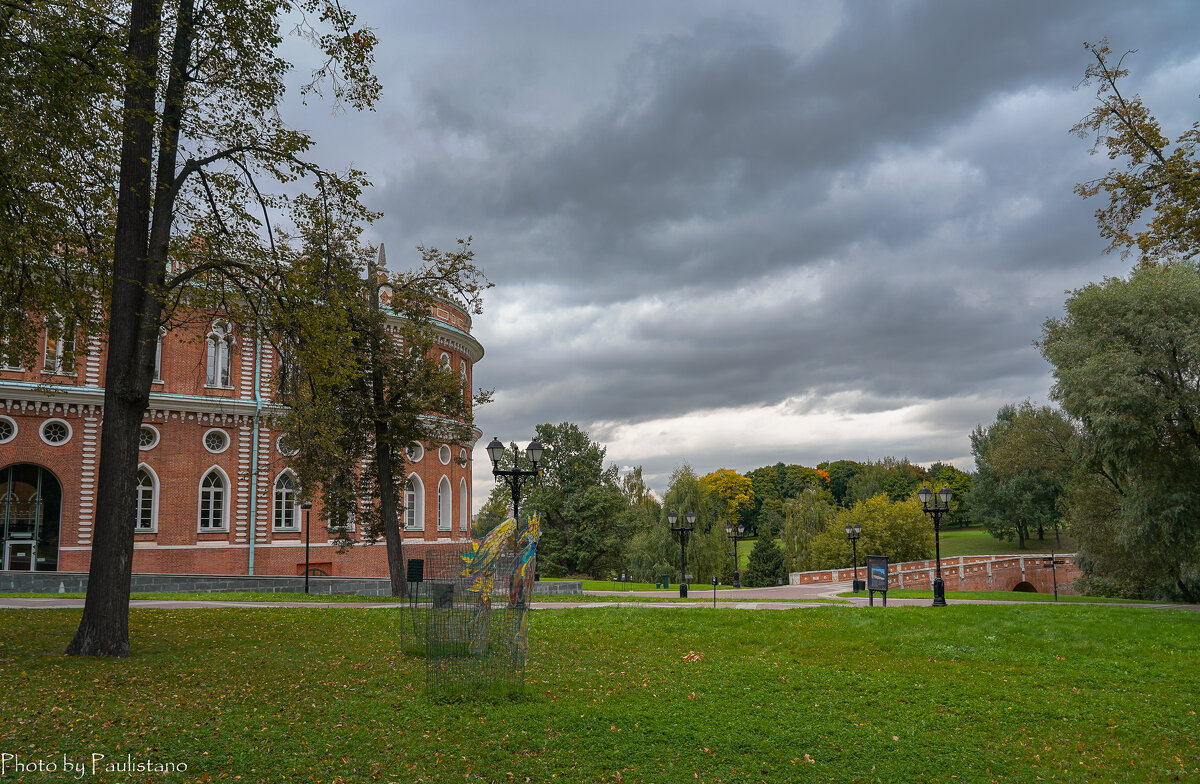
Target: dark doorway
(30, 508)
(1025, 587)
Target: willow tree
(173, 212)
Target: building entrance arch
(30, 514)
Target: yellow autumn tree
(733, 492)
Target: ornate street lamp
(737, 533)
(683, 531)
(517, 477)
(852, 533)
(936, 511)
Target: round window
(8, 430)
(285, 447)
(216, 440)
(462, 457)
(415, 452)
(55, 432)
(147, 437)
(444, 454)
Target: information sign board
(877, 573)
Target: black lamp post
(737, 533)
(683, 531)
(517, 477)
(936, 511)
(852, 533)
(307, 537)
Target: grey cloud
(682, 152)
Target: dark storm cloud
(690, 207)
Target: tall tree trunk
(389, 511)
(104, 627)
(388, 508)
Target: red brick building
(215, 493)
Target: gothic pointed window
(285, 518)
(146, 501)
(220, 355)
(212, 501)
(414, 504)
(60, 346)
(445, 505)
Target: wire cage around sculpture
(472, 611)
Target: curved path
(784, 597)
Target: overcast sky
(734, 234)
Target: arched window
(445, 505)
(285, 517)
(158, 356)
(147, 500)
(464, 506)
(220, 355)
(212, 501)
(414, 503)
(60, 346)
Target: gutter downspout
(254, 448)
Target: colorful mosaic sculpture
(475, 607)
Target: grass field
(976, 541)
(697, 594)
(964, 694)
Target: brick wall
(963, 573)
(183, 409)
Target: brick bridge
(964, 573)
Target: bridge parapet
(965, 573)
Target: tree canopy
(156, 194)
(1126, 358)
(581, 501)
(897, 529)
(1154, 177)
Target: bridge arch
(1025, 587)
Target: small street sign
(1048, 563)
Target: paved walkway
(784, 597)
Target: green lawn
(961, 694)
(977, 541)
(223, 596)
(695, 594)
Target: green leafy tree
(151, 199)
(897, 529)
(1155, 177)
(1013, 494)
(897, 478)
(805, 516)
(766, 565)
(959, 482)
(1126, 355)
(708, 549)
(639, 517)
(581, 504)
(841, 472)
(392, 394)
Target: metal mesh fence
(470, 612)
